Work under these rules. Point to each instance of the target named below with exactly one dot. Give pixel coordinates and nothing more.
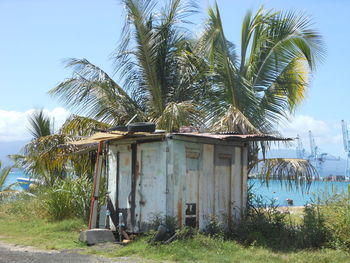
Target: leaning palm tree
(258, 89)
(255, 91)
(157, 86)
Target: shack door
(223, 182)
(123, 182)
(192, 188)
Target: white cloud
(14, 124)
(328, 135)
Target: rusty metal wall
(187, 180)
(151, 192)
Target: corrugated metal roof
(235, 137)
(117, 135)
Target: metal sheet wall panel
(151, 192)
(206, 186)
(237, 184)
(112, 162)
(224, 188)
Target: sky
(36, 35)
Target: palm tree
(157, 85)
(45, 158)
(258, 89)
(255, 91)
(4, 173)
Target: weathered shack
(189, 176)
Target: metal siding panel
(224, 161)
(170, 180)
(124, 177)
(112, 177)
(237, 182)
(244, 176)
(192, 178)
(179, 170)
(151, 186)
(206, 185)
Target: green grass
(22, 223)
(205, 249)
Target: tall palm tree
(259, 88)
(156, 84)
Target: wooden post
(95, 190)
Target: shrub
(313, 231)
(214, 228)
(169, 222)
(69, 198)
(335, 211)
(264, 225)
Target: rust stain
(137, 170)
(179, 212)
(126, 161)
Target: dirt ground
(24, 254)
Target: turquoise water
(14, 174)
(273, 191)
(280, 192)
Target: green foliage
(169, 222)
(22, 222)
(69, 198)
(313, 231)
(4, 172)
(40, 124)
(201, 248)
(335, 212)
(264, 225)
(214, 228)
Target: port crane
(346, 147)
(300, 150)
(316, 158)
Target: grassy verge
(21, 223)
(206, 249)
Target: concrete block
(95, 236)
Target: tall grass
(69, 198)
(335, 209)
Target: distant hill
(329, 167)
(7, 148)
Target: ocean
(280, 193)
(274, 190)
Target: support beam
(95, 190)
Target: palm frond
(4, 173)
(82, 126)
(92, 92)
(291, 172)
(234, 121)
(147, 56)
(180, 114)
(39, 124)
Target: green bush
(264, 225)
(69, 198)
(313, 230)
(335, 210)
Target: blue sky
(37, 34)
